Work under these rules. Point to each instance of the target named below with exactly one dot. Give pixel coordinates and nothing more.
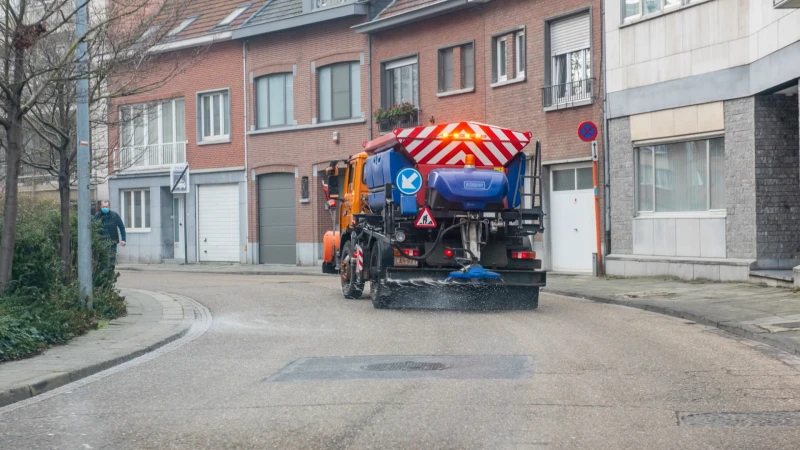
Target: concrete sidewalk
(765, 314)
(153, 320)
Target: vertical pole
(84, 218)
(597, 210)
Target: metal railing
(567, 93)
(411, 120)
(146, 157)
(322, 4)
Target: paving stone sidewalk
(765, 314)
(153, 320)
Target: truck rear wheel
(377, 288)
(351, 285)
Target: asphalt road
(573, 374)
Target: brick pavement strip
(743, 309)
(153, 320)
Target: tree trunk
(14, 136)
(63, 191)
(9, 235)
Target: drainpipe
(246, 172)
(606, 157)
(369, 83)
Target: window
(569, 70)
(401, 82)
(274, 100)
(520, 52)
(153, 133)
(232, 16)
(573, 179)
(500, 60)
(637, 8)
(182, 26)
(446, 75)
(135, 206)
(681, 177)
(214, 116)
(340, 91)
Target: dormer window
(232, 16)
(183, 25)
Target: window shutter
(570, 34)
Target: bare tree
(37, 84)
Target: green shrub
(39, 307)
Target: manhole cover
(761, 419)
(408, 365)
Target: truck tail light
(411, 251)
(523, 255)
(448, 253)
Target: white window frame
(182, 26)
(722, 212)
(233, 16)
(663, 7)
(502, 70)
(123, 210)
(520, 58)
(224, 102)
(390, 66)
(127, 141)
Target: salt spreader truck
(438, 217)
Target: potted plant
(399, 112)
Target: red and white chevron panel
(450, 143)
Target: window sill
(507, 82)
(455, 92)
(639, 19)
(715, 214)
(226, 140)
(568, 105)
(308, 126)
(137, 230)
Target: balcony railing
(410, 120)
(148, 157)
(564, 94)
(322, 4)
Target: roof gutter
(416, 15)
(192, 42)
(323, 15)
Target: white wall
(704, 37)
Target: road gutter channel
(25, 392)
(732, 329)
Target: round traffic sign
(587, 131)
(408, 181)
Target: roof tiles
(404, 6)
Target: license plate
(403, 261)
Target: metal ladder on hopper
(533, 198)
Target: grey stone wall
(777, 159)
(740, 183)
(621, 178)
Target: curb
(230, 272)
(57, 380)
(732, 329)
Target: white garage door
(572, 233)
(218, 222)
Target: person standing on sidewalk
(109, 223)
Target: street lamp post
(84, 152)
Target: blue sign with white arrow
(408, 181)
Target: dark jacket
(109, 224)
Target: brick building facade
(459, 73)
